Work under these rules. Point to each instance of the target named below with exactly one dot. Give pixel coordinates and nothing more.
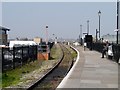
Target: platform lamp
(117, 21)
(81, 34)
(87, 27)
(46, 34)
(99, 14)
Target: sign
(88, 38)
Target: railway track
(52, 79)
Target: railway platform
(91, 71)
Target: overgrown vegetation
(55, 78)
(13, 77)
(55, 52)
(0, 80)
(73, 53)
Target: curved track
(52, 79)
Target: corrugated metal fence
(17, 56)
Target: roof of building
(3, 28)
(13, 43)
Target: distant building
(24, 39)
(76, 43)
(37, 40)
(21, 43)
(109, 38)
(3, 35)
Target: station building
(38, 40)
(3, 35)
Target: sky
(29, 19)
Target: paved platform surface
(92, 71)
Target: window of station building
(0, 41)
(2, 32)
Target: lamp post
(87, 27)
(46, 34)
(99, 14)
(117, 20)
(53, 37)
(1, 42)
(80, 31)
(81, 34)
(96, 35)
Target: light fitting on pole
(99, 13)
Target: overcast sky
(28, 19)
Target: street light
(80, 31)
(87, 27)
(46, 34)
(81, 34)
(99, 14)
(96, 35)
(117, 20)
(53, 37)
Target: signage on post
(88, 38)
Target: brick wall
(43, 56)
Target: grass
(55, 52)
(51, 84)
(12, 77)
(0, 80)
(74, 54)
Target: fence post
(33, 53)
(36, 50)
(13, 57)
(2, 59)
(22, 54)
(28, 54)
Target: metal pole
(99, 26)
(80, 31)
(96, 35)
(53, 38)
(87, 27)
(46, 34)
(81, 34)
(47, 38)
(2, 59)
(99, 13)
(14, 57)
(1, 38)
(117, 19)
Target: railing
(99, 47)
(17, 56)
(116, 52)
(95, 46)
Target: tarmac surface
(91, 71)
